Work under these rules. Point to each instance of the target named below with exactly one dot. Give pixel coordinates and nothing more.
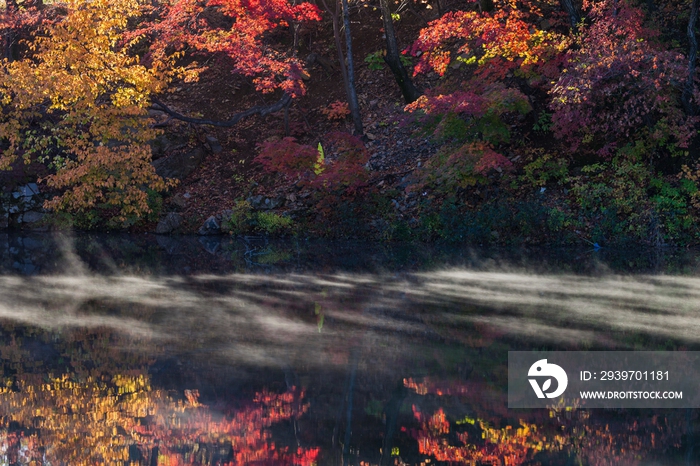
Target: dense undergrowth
(548, 125)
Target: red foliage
(341, 164)
(432, 103)
(289, 157)
(237, 29)
(620, 84)
(345, 161)
(16, 18)
(336, 110)
(491, 160)
(506, 39)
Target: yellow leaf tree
(77, 101)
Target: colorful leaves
(64, 420)
(619, 85)
(338, 164)
(497, 42)
(237, 29)
(90, 98)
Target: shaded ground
(232, 174)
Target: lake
(148, 350)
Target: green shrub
(544, 169)
(244, 221)
(239, 222)
(272, 223)
(624, 200)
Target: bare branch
(261, 110)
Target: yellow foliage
(78, 103)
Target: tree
(122, 419)
(352, 91)
(237, 31)
(78, 98)
(15, 19)
(77, 102)
(689, 88)
(508, 39)
(573, 12)
(393, 59)
(347, 69)
(619, 85)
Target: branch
(261, 110)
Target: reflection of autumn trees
(123, 420)
(506, 446)
(620, 439)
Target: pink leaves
(240, 30)
(497, 42)
(466, 102)
(608, 93)
(491, 160)
(339, 162)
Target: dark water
(124, 350)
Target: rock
(179, 201)
(169, 223)
(159, 145)
(211, 227)
(171, 245)
(28, 190)
(256, 202)
(32, 217)
(31, 244)
(23, 199)
(211, 245)
(265, 203)
(273, 203)
(26, 267)
(214, 144)
(178, 166)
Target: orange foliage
(336, 110)
(101, 420)
(502, 41)
(78, 103)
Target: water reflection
(114, 359)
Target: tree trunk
(335, 17)
(392, 58)
(352, 92)
(574, 15)
(689, 88)
(391, 413)
(11, 8)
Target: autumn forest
(489, 121)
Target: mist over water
(402, 348)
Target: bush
(271, 223)
(624, 200)
(244, 221)
(338, 166)
(239, 222)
